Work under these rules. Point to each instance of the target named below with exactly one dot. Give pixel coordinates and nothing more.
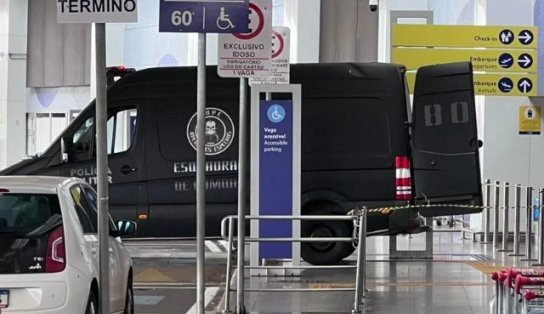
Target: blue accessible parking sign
(206, 16)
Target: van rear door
(444, 140)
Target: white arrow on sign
(525, 61)
(526, 37)
(525, 85)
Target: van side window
(121, 130)
(83, 139)
(120, 134)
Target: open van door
(445, 143)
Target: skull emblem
(211, 128)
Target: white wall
(13, 30)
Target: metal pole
(496, 216)
(517, 214)
(229, 266)
(102, 167)
(528, 248)
(540, 230)
(487, 211)
(242, 192)
(506, 205)
(201, 174)
(360, 276)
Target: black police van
(362, 144)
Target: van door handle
(127, 169)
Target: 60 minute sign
(226, 16)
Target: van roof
(322, 78)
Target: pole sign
(426, 35)
(494, 60)
(97, 11)
(249, 54)
(529, 120)
(280, 70)
(206, 16)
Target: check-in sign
(97, 11)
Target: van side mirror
(125, 228)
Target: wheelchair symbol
(276, 113)
(223, 21)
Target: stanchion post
(229, 267)
(517, 214)
(540, 230)
(360, 276)
(496, 200)
(487, 212)
(528, 248)
(506, 205)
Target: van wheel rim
(322, 232)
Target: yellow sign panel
(426, 35)
(496, 84)
(494, 60)
(529, 119)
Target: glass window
(87, 215)
(121, 130)
(93, 200)
(23, 213)
(83, 139)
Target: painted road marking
(213, 247)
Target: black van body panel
(354, 125)
(445, 141)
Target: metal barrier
(359, 220)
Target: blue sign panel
(206, 16)
(276, 175)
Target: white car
(49, 249)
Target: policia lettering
(94, 6)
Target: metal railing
(500, 191)
(359, 219)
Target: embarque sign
(97, 11)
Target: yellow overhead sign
(426, 35)
(488, 60)
(529, 120)
(496, 84)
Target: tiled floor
(448, 284)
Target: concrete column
(13, 32)
(303, 18)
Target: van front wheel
(325, 253)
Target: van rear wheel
(325, 253)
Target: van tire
(325, 253)
(92, 304)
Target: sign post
(246, 55)
(81, 11)
(206, 16)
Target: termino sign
(249, 54)
(97, 11)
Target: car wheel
(325, 253)
(92, 304)
(129, 299)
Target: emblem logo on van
(219, 131)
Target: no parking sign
(249, 54)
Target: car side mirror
(125, 228)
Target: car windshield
(28, 214)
